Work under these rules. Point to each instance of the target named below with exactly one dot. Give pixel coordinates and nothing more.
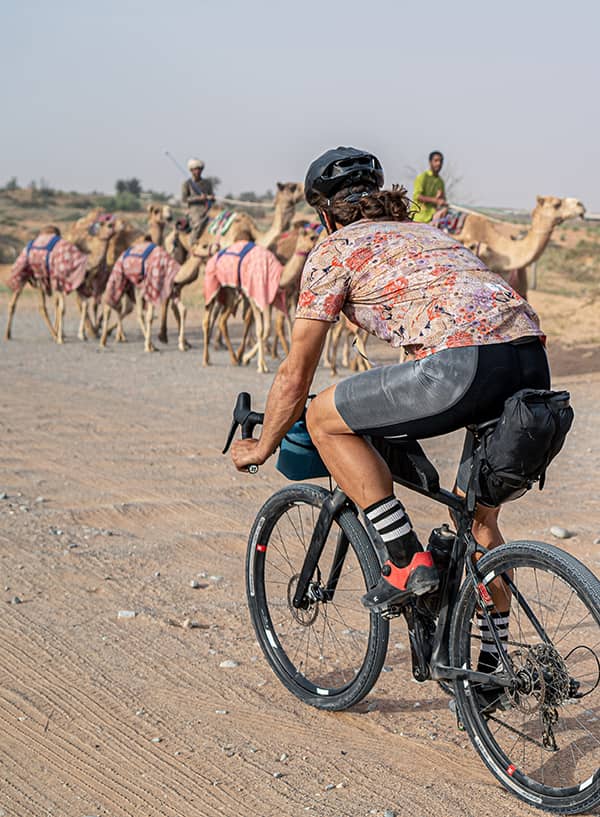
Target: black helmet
(340, 167)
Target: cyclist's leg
(419, 399)
(336, 421)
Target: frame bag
(516, 451)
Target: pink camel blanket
(154, 274)
(251, 268)
(60, 268)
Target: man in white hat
(197, 196)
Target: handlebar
(248, 420)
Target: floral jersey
(412, 286)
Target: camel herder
(197, 196)
(429, 191)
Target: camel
(177, 244)
(157, 277)
(56, 267)
(304, 239)
(246, 273)
(287, 196)
(348, 334)
(511, 257)
(159, 215)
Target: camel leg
(336, 334)
(44, 313)
(263, 327)
(346, 350)
(287, 333)
(248, 319)
(279, 336)
(164, 311)
(139, 310)
(148, 345)
(125, 307)
(105, 319)
(206, 327)
(82, 305)
(11, 311)
(181, 312)
(224, 331)
(59, 300)
(120, 335)
(92, 321)
(259, 347)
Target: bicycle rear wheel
(541, 738)
(329, 653)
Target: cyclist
(471, 341)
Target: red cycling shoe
(398, 585)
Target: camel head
(307, 238)
(204, 249)
(159, 214)
(289, 193)
(556, 210)
(105, 227)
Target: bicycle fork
(304, 593)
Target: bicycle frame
(436, 667)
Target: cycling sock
(488, 653)
(391, 522)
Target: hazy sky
(95, 91)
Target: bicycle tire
(558, 567)
(259, 548)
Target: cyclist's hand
(245, 453)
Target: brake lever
(246, 418)
(231, 435)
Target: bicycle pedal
(393, 611)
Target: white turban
(195, 163)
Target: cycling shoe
(398, 585)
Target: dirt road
(117, 498)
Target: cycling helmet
(341, 167)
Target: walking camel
(510, 257)
(177, 243)
(56, 267)
(156, 277)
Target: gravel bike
(534, 720)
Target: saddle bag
(514, 453)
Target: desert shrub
(122, 201)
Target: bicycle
(534, 720)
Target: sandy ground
(117, 497)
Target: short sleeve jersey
(426, 184)
(412, 286)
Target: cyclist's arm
(288, 394)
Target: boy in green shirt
(429, 192)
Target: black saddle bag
(514, 453)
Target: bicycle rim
(542, 739)
(329, 652)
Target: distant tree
(216, 181)
(248, 195)
(133, 186)
(154, 195)
(450, 175)
(12, 184)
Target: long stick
(176, 163)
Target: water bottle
(441, 542)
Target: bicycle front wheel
(330, 652)
(540, 737)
